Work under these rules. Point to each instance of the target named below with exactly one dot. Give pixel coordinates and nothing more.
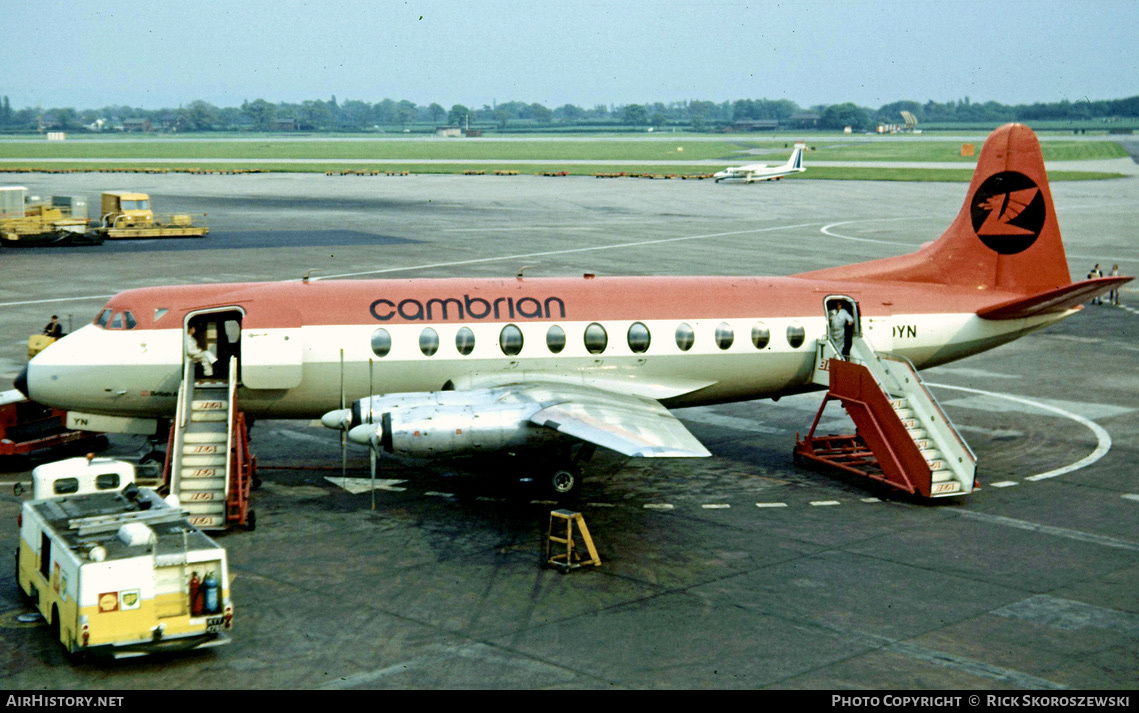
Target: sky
(162, 54)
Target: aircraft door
(217, 336)
(272, 357)
(841, 333)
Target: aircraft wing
(629, 425)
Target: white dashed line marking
(824, 503)
(1131, 496)
(715, 506)
(771, 505)
(658, 506)
(1004, 484)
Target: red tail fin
(1005, 238)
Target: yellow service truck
(122, 574)
(126, 214)
(30, 220)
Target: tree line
(699, 115)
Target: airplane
(763, 172)
(560, 366)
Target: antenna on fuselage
(307, 273)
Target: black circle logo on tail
(1008, 212)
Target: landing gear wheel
(564, 481)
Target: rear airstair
(208, 463)
(902, 438)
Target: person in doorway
(1113, 296)
(1093, 274)
(841, 327)
(196, 353)
(53, 328)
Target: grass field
(661, 155)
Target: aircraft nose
(339, 419)
(21, 382)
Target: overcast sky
(157, 53)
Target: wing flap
(631, 427)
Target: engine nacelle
(449, 422)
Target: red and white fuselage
(612, 353)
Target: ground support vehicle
(27, 427)
(30, 222)
(126, 214)
(123, 574)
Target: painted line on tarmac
(1103, 439)
(826, 230)
(568, 251)
(1050, 530)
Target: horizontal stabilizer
(1057, 300)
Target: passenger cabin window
(760, 335)
(428, 341)
(795, 335)
(556, 339)
(685, 337)
(639, 338)
(510, 339)
(724, 335)
(465, 341)
(596, 338)
(107, 481)
(66, 486)
(381, 342)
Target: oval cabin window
(510, 339)
(596, 338)
(381, 342)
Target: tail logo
(1008, 212)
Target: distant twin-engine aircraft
(464, 365)
(762, 172)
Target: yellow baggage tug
(123, 574)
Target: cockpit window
(117, 321)
(103, 318)
(131, 322)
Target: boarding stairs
(208, 463)
(903, 437)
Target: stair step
(194, 496)
(917, 433)
(946, 488)
(201, 449)
(206, 508)
(208, 416)
(941, 476)
(205, 437)
(208, 405)
(208, 522)
(208, 460)
(200, 484)
(203, 472)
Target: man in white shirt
(841, 327)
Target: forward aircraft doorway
(840, 329)
(219, 333)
